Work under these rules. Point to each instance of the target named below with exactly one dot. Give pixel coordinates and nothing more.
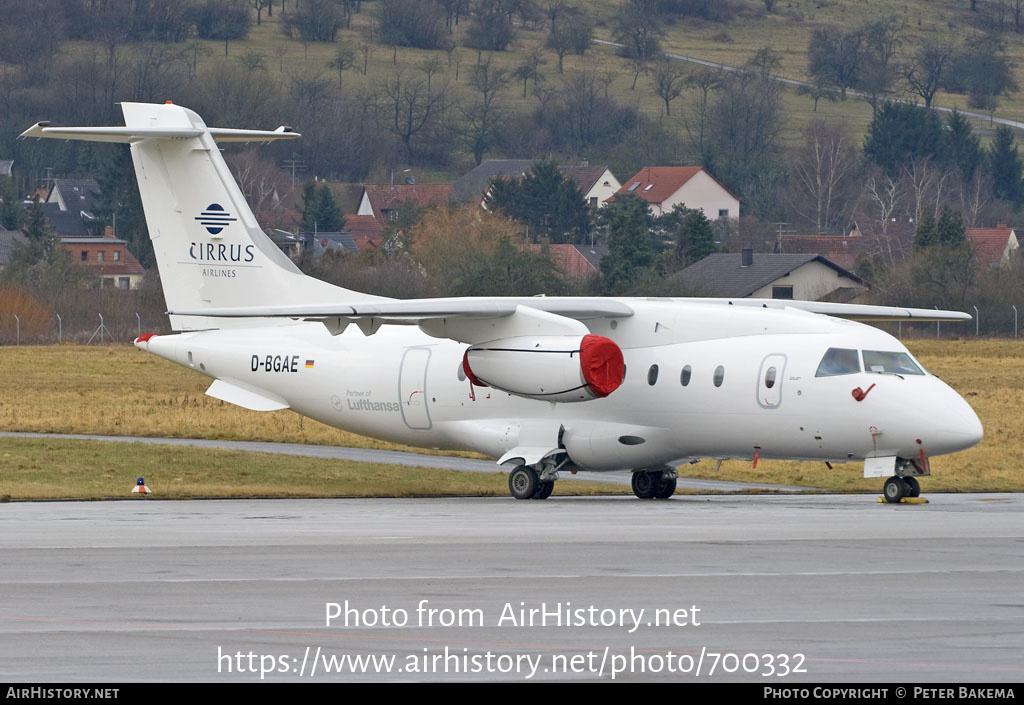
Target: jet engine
(564, 368)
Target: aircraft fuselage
(727, 384)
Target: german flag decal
(309, 364)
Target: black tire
(544, 489)
(522, 482)
(913, 486)
(895, 489)
(666, 489)
(645, 484)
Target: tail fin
(209, 248)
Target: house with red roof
(382, 201)
(577, 262)
(663, 187)
(994, 247)
(107, 257)
(365, 230)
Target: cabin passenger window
(652, 375)
(894, 363)
(719, 376)
(684, 376)
(838, 361)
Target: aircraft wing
(474, 319)
(853, 312)
(414, 310)
(467, 320)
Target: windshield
(838, 361)
(895, 363)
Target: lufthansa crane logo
(215, 218)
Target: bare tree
(553, 9)
(924, 74)
(262, 182)
(559, 41)
(974, 194)
(884, 196)
(822, 176)
(253, 61)
(703, 80)
(835, 57)
(430, 67)
(638, 27)
(408, 110)
(342, 62)
(259, 6)
(155, 72)
(481, 115)
(529, 69)
(924, 185)
(669, 78)
(365, 49)
(816, 89)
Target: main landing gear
(896, 488)
(654, 484)
(526, 483)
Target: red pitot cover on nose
(602, 364)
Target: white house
(692, 186)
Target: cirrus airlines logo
(215, 218)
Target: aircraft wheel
(544, 489)
(523, 482)
(913, 486)
(895, 489)
(666, 489)
(645, 485)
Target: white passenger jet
(545, 385)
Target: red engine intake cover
(602, 364)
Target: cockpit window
(894, 363)
(838, 361)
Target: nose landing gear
(897, 487)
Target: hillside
(787, 30)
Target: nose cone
(957, 427)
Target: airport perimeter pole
(17, 329)
(139, 319)
(977, 320)
(1014, 321)
(60, 329)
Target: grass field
(73, 469)
(118, 390)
